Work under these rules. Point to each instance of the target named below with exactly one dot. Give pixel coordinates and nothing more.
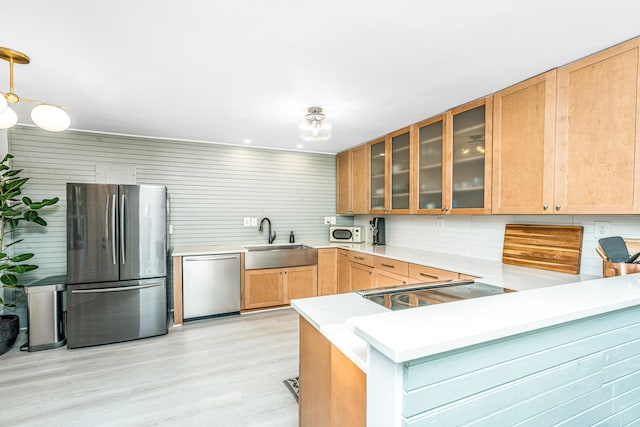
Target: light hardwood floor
(218, 372)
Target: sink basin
(277, 256)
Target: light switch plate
(601, 229)
(440, 223)
(333, 220)
(254, 222)
(327, 220)
(247, 222)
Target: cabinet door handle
(388, 265)
(359, 257)
(557, 207)
(545, 206)
(429, 276)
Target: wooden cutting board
(548, 247)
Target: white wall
(482, 236)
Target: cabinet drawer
(361, 258)
(429, 274)
(392, 265)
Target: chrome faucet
(272, 238)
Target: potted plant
(15, 210)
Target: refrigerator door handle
(122, 234)
(114, 258)
(119, 289)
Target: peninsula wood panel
(597, 139)
(344, 271)
(523, 147)
(314, 402)
(547, 247)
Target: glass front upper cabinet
(400, 170)
(471, 154)
(429, 154)
(378, 175)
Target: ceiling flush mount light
(46, 116)
(315, 128)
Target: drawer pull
(388, 265)
(429, 276)
(358, 257)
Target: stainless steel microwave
(346, 234)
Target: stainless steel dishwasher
(210, 285)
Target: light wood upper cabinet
(598, 133)
(378, 176)
(523, 147)
(452, 161)
(352, 179)
(470, 141)
(390, 163)
(428, 166)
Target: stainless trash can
(46, 306)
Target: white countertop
(403, 335)
(329, 315)
(490, 272)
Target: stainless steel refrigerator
(116, 263)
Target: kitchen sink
(277, 256)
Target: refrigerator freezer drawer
(103, 313)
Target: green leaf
(36, 206)
(1, 301)
(13, 243)
(50, 202)
(13, 172)
(9, 279)
(23, 268)
(11, 213)
(15, 184)
(4, 266)
(7, 157)
(40, 221)
(26, 200)
(30, 215)
(13, 223)
(21, 257)
(4, 167)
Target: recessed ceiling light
(246, 141)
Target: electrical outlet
(247, 222)
(170, 228)
(254, 222)
(327, 220)
(333, 220)
(440, 223)
(601, 229)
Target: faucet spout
(270, 238)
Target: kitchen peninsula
(543, 355)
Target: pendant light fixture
(314, 127)
(46, 116)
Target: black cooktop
(402, 297)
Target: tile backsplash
(481, 236)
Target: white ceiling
(226, 71)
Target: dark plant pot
(9, 329)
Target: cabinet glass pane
(377, 176)
(430, 166)
(400, 161)
(468, 158)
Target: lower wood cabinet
(361, 276)
(327, 271)
(332, 388)
(383, 279)
(272, 287)
(344, 273)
